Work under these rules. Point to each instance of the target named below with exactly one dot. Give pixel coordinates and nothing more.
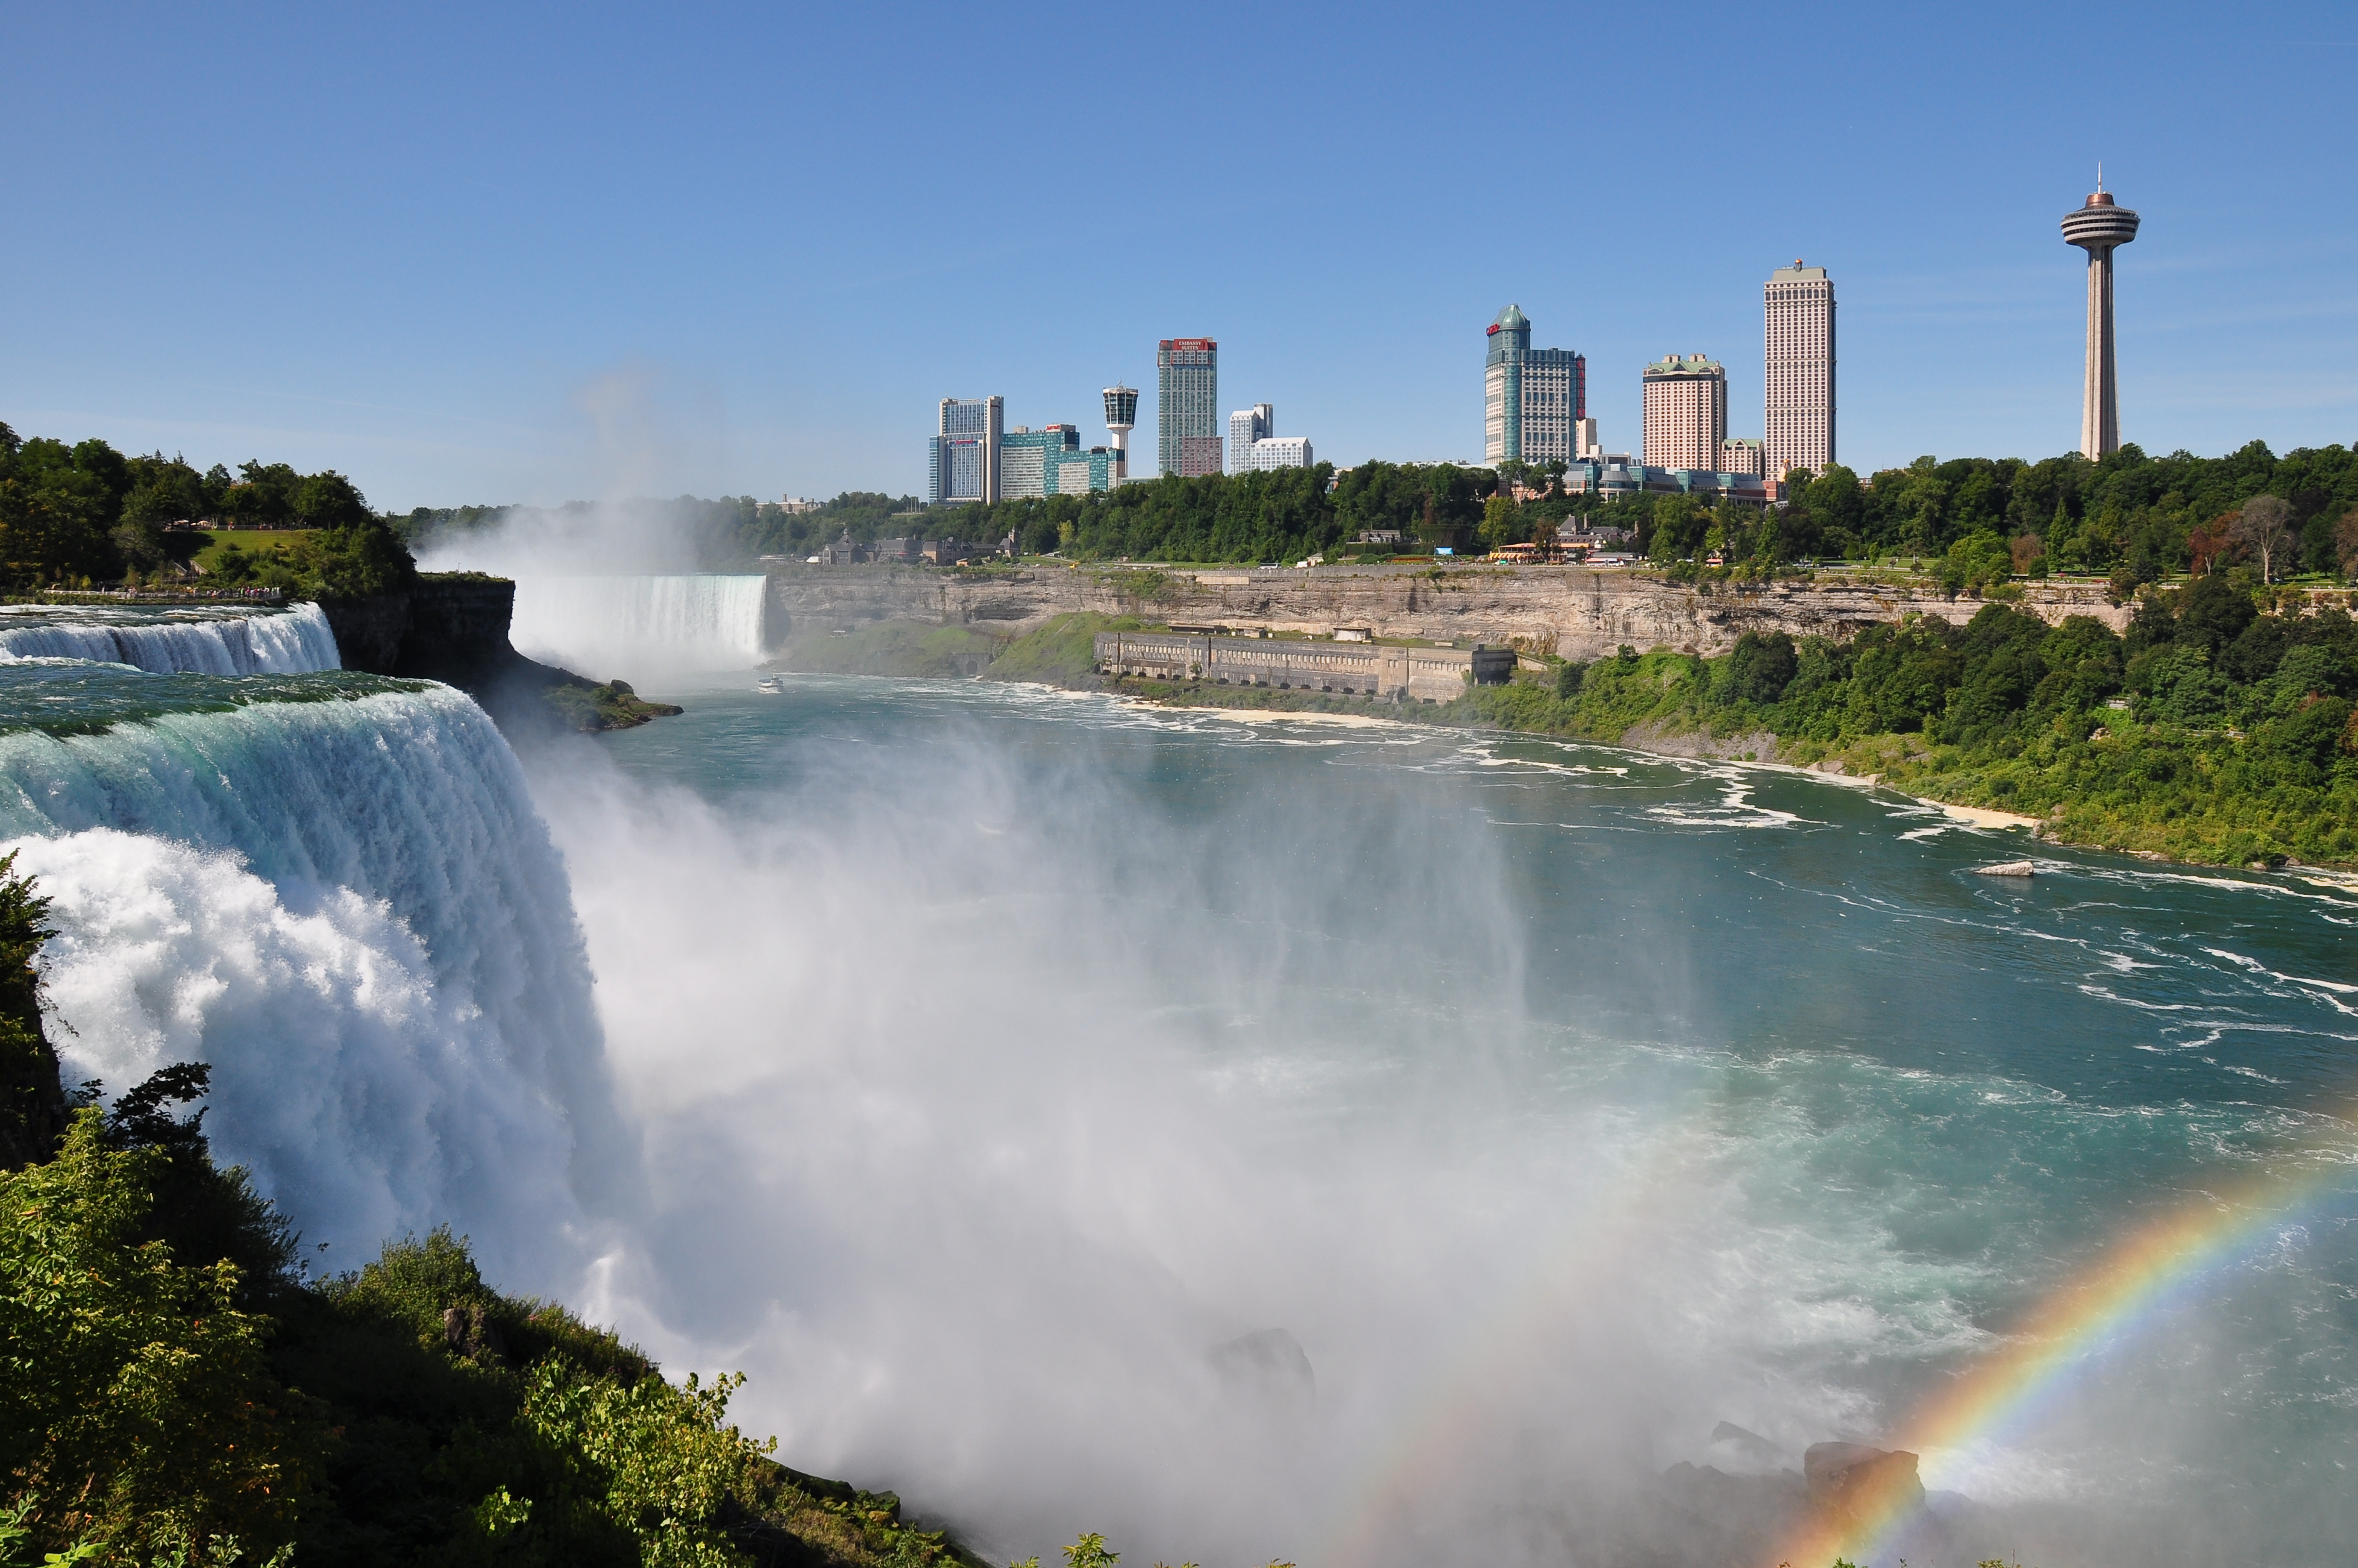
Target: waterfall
(608, 626)
(351, 908)
(283, 641)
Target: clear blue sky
(485, 253)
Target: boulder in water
(1750, 1446)
(1271, 1362)
(1852, 1479)
(2009, 868)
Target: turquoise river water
(1340, 1143)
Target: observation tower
(1122, 417)
(2100, 228)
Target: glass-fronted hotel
(962, 455)
(1187, 406)
(1533, 400)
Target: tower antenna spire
(2100, 175)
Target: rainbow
(2127, 1286)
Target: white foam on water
(352, 911)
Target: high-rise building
(2099, 228)
(1797, 386)
(1188, 404)
(962, 456)
(1738, 455)
(1686, 413)
(1122, 417)
(1585, 444)
(1050, 461)
(1247, 426)
(1533, 399)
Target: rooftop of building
(1512, 319)
(1797, 273)
(1686, 364)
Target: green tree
(134, 1394)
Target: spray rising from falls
(339, 895)
(607, 625)
(212, 643)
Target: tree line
(1976, 520)
(1973, 521)
(85, 516)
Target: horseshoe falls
(201, 642)
(608, 626)
(336, 890)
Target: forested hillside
(2210, 731)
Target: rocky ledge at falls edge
(453, 627)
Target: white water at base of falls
(352, 910)
(273, 642)
(604, 627)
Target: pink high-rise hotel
(1799, 385)
(1686, 413)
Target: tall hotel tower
(2099, 228)
(962, 459)
(1533, 400)
(1686, 413)
(1799, 390)
(1187, 411)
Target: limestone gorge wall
(1580, 612)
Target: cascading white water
(289, 641)
(352, 910)
(607, 626)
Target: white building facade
(1247, 426)
(1276, 452)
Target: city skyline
(200, 281)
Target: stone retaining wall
(1355, 669)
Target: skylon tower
(2100, 227)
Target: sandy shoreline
(1980, 816)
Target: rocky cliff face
(1577, 612)
(448, 628)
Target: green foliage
(1089, 1552)
(1062, 653)
(2128, 511)
(32, 1102)
(86, 513)
(2211, 732)
(591, 706)
(135, 1395)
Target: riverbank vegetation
(2215, 730)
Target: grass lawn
(253, 541)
